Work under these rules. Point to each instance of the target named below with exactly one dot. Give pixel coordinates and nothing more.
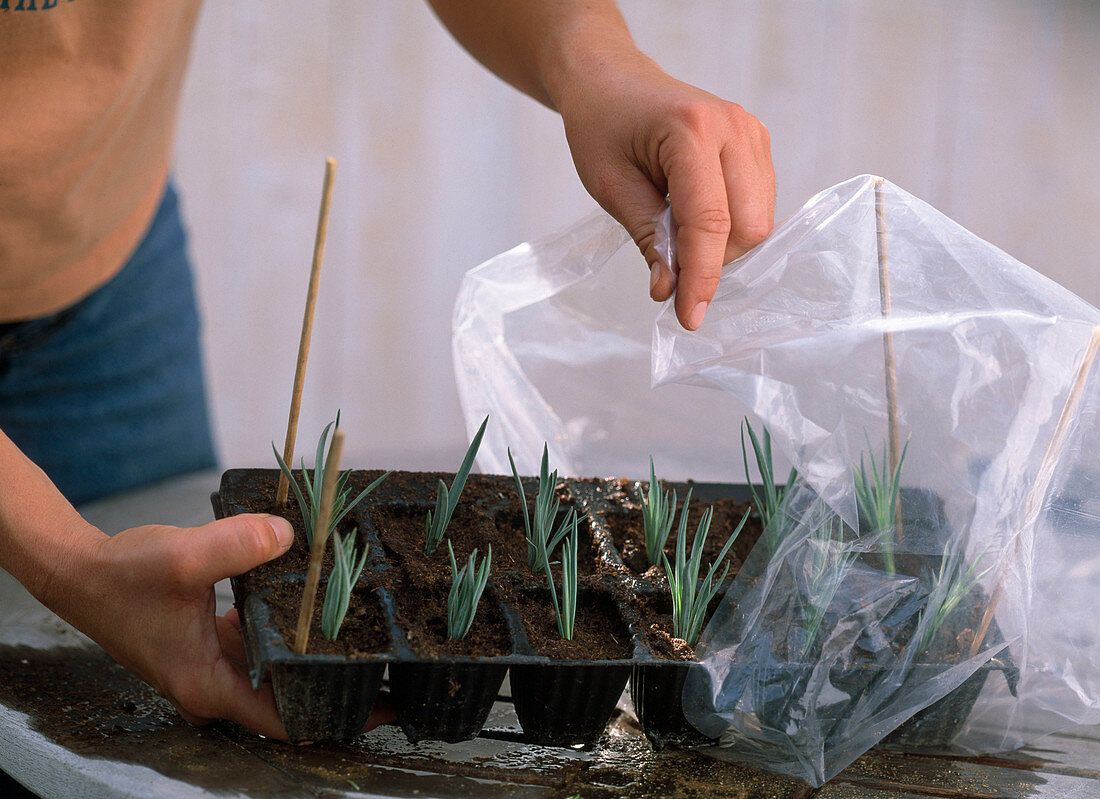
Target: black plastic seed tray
(558, 701)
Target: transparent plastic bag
(868, 324)
(552, 339)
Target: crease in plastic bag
(828, 641)
(555, 341)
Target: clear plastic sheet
(552, 339)
(868, 324)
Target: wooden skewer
(1042, 482)
(320, 538)
(307, 331)
(889, 359)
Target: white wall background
(988, 109)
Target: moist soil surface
(401, 529)
(422, 614)
(488, 514)
(364, 631)
(628, 533)
(655, 613)
(599, 633)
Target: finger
(383, 713)
(697, 190)
(226, 694)
(750, 187)
(229, 633)
(236, 701)
(635, 202)
(229, 637)
(232, 546)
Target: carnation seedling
(310, 502)
(877, 496)
(542, 539)
(831, 559)
(447, 498)
(690, 598)
(467, 585)
(566, 609)
(658, 513)
(949, 588)
(769, 499)
(345, 574)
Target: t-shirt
(88, 96)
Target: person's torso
(88, 95)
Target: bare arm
(636, 134)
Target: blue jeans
(108, 394)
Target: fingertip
(695, 317)
(277, 733)
(661, 282)
(691, 316)
(256, 711)
(383, 713)
(282, 530)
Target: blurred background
(987, 109)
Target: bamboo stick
(320, 538)
(889, 358)
(307, 331)
(1042, 482)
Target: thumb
(235, 544)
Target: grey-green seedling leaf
(303, 505)
(949, 588)
(566, 610)
(309, 503)
(769, 499)
(542, 539)
(342, 579)
(690, 599)
(467, 585)
(658, 513)
(447, 498)
(878, 494)
(831, 559)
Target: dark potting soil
(364, 631)
(489, 513)
(510, 528)
(628, 532)
(422, 614)
(258, 496)
(401, 529)
(599, 633)
(655, 613)
(420, 487)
